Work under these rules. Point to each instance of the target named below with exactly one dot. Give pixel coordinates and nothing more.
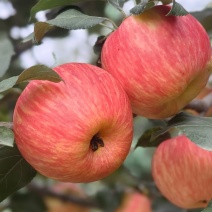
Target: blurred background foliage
(61, 46)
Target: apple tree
(105, 106)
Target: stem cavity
(96, 142)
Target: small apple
(78, 130)
(162, 62)
(182, 172)
(135, 202)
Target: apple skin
(135, 202)
(54, 124)
(182, 172)
(162, 62)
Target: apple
(136, 202)
(78, 130)
(162, 62)
(182, 172)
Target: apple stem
(204, 201)
(96, 142)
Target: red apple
(79, 130)
(182, 172)
(161, 61)
(135, 202)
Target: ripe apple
(78, 130)
(182, 172)
(135, 202)
(162, 62)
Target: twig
(201, 105)
(22, 47)
(45, 191)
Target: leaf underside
(70, 19)
(50, 4)
(197, 129)
(6, 136)
(6, 52)
(37, 72)
(177, 10)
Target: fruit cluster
(81, 129)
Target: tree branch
(201, 105)
(45, 191)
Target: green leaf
(197, 129)
(143, 6)
(28, 38)
(177, 10)
(40, 29)
(209, 207)
(15, 172)
(6, 136)
(118, 4)
(37, 72)
(8, 83)
(6, 52)
(166, 1)
(49, 4)
(71, 19)
(147, 139)
(139, 8)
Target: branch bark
(46, 191)
(201, 105)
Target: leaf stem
(123, 13)
(113, 23)
(105, 25)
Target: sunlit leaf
(71, 19)
(6, 52)
(8, 83)
(15, 172)
(37, 72)
(6, 136)
(177, 10)
(28, 38)
(49, 4)
(197, 129)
